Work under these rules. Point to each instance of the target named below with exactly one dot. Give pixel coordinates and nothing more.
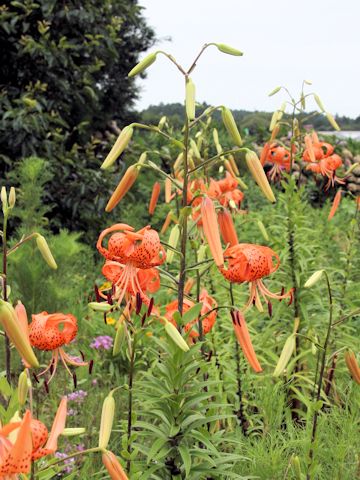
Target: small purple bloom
(78, 396)
(102, 342)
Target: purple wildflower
(103, 341)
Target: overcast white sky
(284, 42)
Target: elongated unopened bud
(243, 337)
(233, 164)
(23, 388)
(113, 466)
(100, 306)
(319, 102)
(229, 50)
(211, 230)
(353, 366)
(12, 327)
(285, 355)
(231, 126)
(315, 277)
(263, 230)
(45, 251)
(166, 222)
(273, 92)
(123, 187)
(119, 146)
(227, 228)
(335, 205)
(168, 185)
(175, 336)
(258, 174)
(12, 197)
(295, 463)
(173, 241)
(119, 339)
(107, 420)
(154, 197)
(143, 65)
(274, 120)
(72, 432)
(162, 122)
(332, 121)
(190, 99)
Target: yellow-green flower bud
(229, 50)
(332, 121)
(285, 355)
(257, 171)
(263, 230)
(315, 277)
(71, 432)
(175, 336)
(173, 241)
(119, 146)
(231, 126)
(3, 196)
(23, 388)
(273, 92)
(100, 306)
(107, 419)
(12, 197)
(190, 99)
(143, 65)
(45, 251)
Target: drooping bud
(229, 168)
(353, 366)
(231, 126)
(154, 197)
(166, 222)
(259, 175)
(14, 331)
(335, 204)
(119, 146)
(126, 182)
(315, 277)
(195, 148)
(175, 336)
(173, 241)
(211, 230)
(23, 388)
(100, 306)
(227, 228)
(107, 420)
(167, 190)
(229, 50)
(190, 99)
(233, 164)
(72, 432)
(143, 65)
(243, 337)
(113, 466)
(45, 251)
(162, 122)
(12, 197)
(319, 102)
(332, 121)
(285, 355)
(3, 196)
(273, 92)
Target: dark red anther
(82, 355)
(105, 321)
(291, 298)
(51, 369)
(197, 370)
(74, 380)
(109, 298)
(97, 293)
(270, 308)
(232, 313)
(138, 303)
(46, 385)
(282, 293)
(210, 354)
(36, 378)
(113, 290)
(143, 318)
(91, 365)
(151, 304)
(254, 302)
(239, 317)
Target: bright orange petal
(18, 459)
(211, 230)
(243, 336)
(58, 425)
(335, 204)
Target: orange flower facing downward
(247, 262)
(50, 332)
(32, 442)
(133, 251)
(280, 158)
(243, 337)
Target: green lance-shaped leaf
(190, 99)
(192, 313)
(143, 65)
(119, 338)
(263, 230)
(173, 241)
(229, 50)
(231, 126)
(285, 355)
(119, 146)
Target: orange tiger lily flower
(133, 250)
(280, 158)
(243, 337)
(264, 153)
(50, 332)
(211, 230)
(227, 228)
(154, 197)
(32, 442)
(247, 262)
(335, 205)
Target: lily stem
(4, 285)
